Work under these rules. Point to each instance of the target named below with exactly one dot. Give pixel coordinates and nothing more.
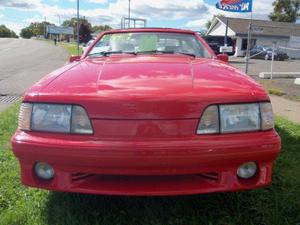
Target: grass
(278, 204)
(273, 91)
(71, 48)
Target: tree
(26, 33)
(85, 28)
(84, 33)
(101, 28)
(34, 29)
(7, 33)
(73, 23)
(209, 22)
(38, 28)
(285, 11)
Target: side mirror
(223, 57)
(74, 58)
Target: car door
(254, 51)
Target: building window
(244, 44)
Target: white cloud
(16, 27)
(20, 4)
(196, 24)
(97, 1)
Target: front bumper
(166, 166)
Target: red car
(146, 112)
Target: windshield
(149, 43)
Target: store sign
(240, 6)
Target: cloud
(97, 1)
(196, 24)
(20, 4)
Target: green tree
(285, 11)
(5, 32)
(101, 28)
(38, 28)
(26, 33)
(34, 29)
(73, 23)
(85, 28)
(209, 22)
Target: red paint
(145, 111)
(230, 2)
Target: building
(264, 32)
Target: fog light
(44, 171)
(247, 170)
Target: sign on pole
(240, 6)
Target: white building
(263, 32)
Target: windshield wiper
(110, 53)
(107, 53)
(155, 52)
(166, 52)
(185, 53)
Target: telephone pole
(129, 12)
(77, 27)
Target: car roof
(150, 29)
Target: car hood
(146, 87)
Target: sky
(187, 14)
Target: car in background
(264, 52)
(216, 42)
(85, 47)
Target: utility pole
(59, 22)
(248, 44)
(45, 27)
(129, 11)
(77, 27)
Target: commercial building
(264, 32)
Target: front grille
(83, 176)
(210, 176)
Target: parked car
(216, 42)
(264, 52)
(128, 119)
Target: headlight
(236, 118)
(54, 118)
(267, 120)
(209, 123)
(239, 118)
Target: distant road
(24, 62)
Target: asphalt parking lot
(284, 87)
(258, 65)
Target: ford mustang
(146, 112)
